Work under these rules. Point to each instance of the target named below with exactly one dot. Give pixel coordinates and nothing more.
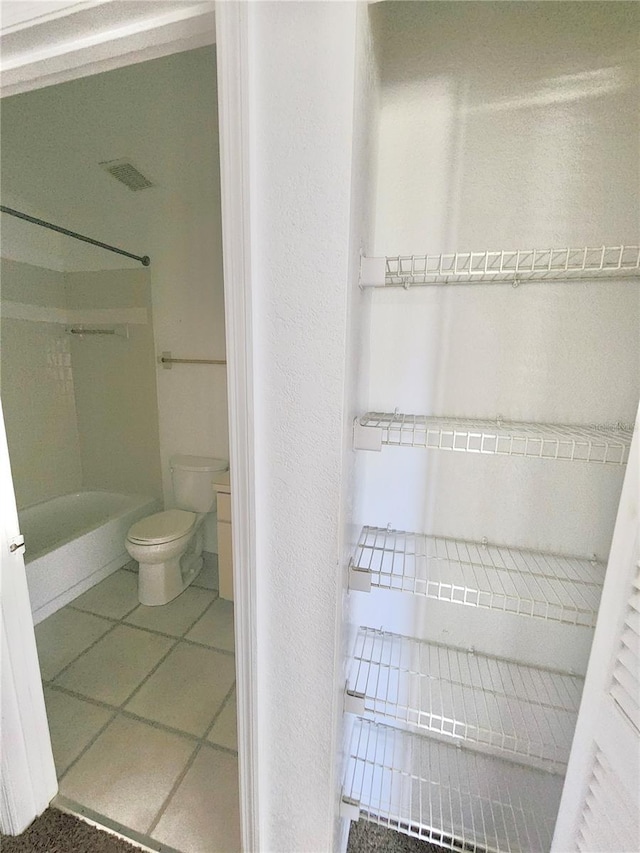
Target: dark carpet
(366, 837)
(58, 832)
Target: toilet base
(159, 583)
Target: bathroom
(92, 412)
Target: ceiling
(160, 115)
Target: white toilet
(168, 545)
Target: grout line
(101, 615)
(202, 742)
(83, 652)
(174, 789)
(123, 621)
(175, 640)
(174, 645)
(72, 606)
(100, 703)
(225, 701)
(156, 724)
(151, 672)
(121, 711)
(88, 745)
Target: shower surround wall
(115, 385)
(79, 412)
(37, 383)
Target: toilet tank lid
(198, 463)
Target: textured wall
(303, 57)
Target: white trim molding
(232, 38)
(89, 38)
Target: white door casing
(599, 810)
(232, 40)
(28, 773)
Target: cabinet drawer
(224, 507)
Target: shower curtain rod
(145, 260)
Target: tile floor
(142, 712)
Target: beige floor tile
(114, 597)
(187, 689)
(65, 635)
(177, 616)
(128, 772)
(203, 815)
(116, 665)
(72, 723)
(215, 628)
(225, 729)
(208, 577)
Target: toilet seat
(162, 527)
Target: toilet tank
(193, 481)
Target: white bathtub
(74, 541)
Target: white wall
(503, 125)
(188, 311)
(303, 64)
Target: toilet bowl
(168, 545)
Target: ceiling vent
(127, 174)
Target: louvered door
(625, 687)
(600, 808)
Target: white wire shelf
(478, 574)
(522, 710)
(604, 444)
(449, 796)
(510, 266)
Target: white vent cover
(127, 174)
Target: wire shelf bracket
(497, 705)
(502, 266)
(606, 444)
(536, 584)
(448, 796)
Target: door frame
(121, 46)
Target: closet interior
(501, 290)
